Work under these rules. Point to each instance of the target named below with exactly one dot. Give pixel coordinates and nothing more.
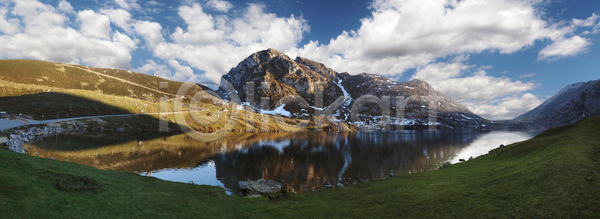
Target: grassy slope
(553, 174)
(67, 76)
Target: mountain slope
(362, 100)
(108, 81)
(570, 104)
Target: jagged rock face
(275, 76)
(571, 104)
(421, 101)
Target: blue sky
(500, 58)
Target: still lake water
(302, 161)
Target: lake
(302, 161)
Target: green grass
(555, 174)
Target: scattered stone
(3, 140)
(16, 140)
(260, 186)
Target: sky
(500, 58)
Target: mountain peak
(420, 83)
(259, 58)
(267, 55)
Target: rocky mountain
(571, 104)
(271, 82)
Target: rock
(260, 186)
(471, 158)
(19, 137)
(447, 163)
(461, 160)
(501, 145)
(339, 185)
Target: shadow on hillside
(51, 105)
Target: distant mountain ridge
(571, 104)
(357, 99)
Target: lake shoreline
(554, 174)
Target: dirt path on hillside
(119, 79)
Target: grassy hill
(555, 174)
(48, 90)
(58, 90)
(107, 81)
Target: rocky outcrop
(272, 74)
(260, 187)
(20, 137)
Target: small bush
(74, 183)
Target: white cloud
(201, 28)
(65, 7)
(128, 4)
(94, 25)
(564, 47)
(120, 17)
(8, 26)
(506, 108)
(151, 67)
(214, 44)
(182, 72)
(36, 15)
(154, 3)
(487, 96)
(480, 87)
(219, 5)
(401, 35)
(260, 28)
(530, 75)
(44, 34)
(150, 31)
(440, 71)
(588, 22)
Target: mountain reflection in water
(301, 161)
